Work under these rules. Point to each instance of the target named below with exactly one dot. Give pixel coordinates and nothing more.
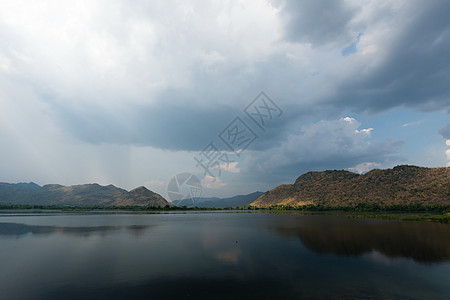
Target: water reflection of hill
(17, 229)
(423, 242)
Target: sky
(244, 95)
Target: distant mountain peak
(142, 194)
(30, 184)
(140, 189)
(215, 202)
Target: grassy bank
(444, 218)
(413, 208)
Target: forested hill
(402, 185)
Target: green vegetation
(445, 218)
(362, 207)
(87, 208)
(111, 208)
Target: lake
(220, 255)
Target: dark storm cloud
(318, 22)
(415, 73)
(170, 126)
(416, 70)
(165, 126)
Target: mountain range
(402, 185)
(78, 195)
(214, 202)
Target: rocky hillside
(78, 195)
(402, 185)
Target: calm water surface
(221, 255)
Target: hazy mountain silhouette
(78, 195)
(214, 202)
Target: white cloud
(135, 51)
(349, 120)
(211, 182)
(412, 123)
(364, 167)
(230, 167)
(366, 131)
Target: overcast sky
(132, 93)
